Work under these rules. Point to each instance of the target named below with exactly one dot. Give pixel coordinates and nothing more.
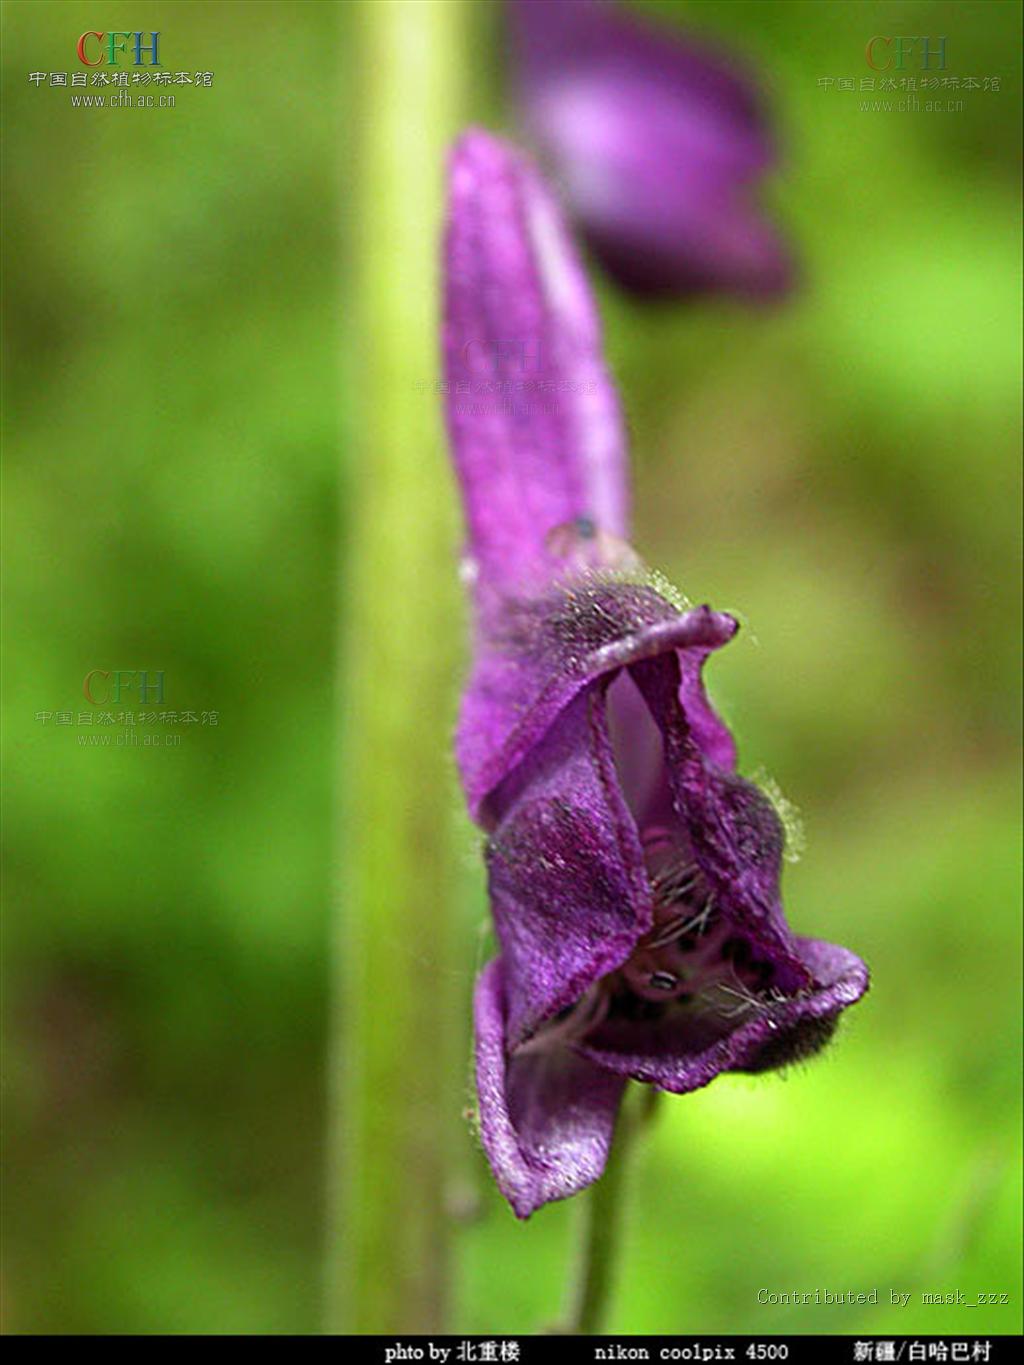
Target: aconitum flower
(656, 144)
(633, 874)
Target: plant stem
(395, 1075)
(601, 1222)
(593, 1283)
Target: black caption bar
(685, 1350)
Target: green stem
(599, 1248)
(396, 1073)
(601, 1232)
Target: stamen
(746, 999)
(674, 883)
(699, 923)
(669, 933)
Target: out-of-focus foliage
(841, 470)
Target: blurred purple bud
(657, 144)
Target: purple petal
(735, 834)
(569, 889)
(534, 421)
(535, 654)
(679, 1054)
(710, 734)
(736, 841)
(639, 749)
(657, 144)
(546, 1118)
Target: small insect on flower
(633, 874)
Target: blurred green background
(842, 471)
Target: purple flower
(657, 146)
(633, 874)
